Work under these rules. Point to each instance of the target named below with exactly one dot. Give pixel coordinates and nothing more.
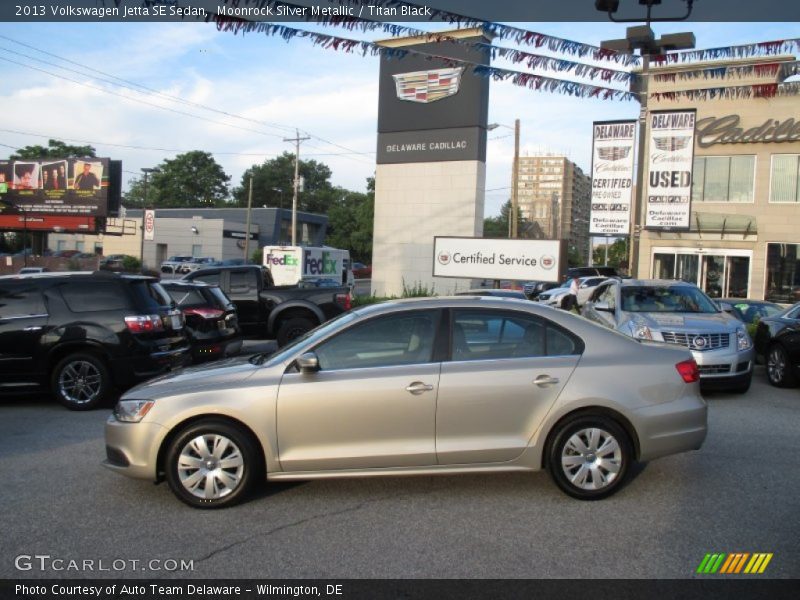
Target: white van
(292, 265)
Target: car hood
(220, 374)
(686, 322)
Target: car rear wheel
(212, 464)
(589, 457)
(81, 381)
(293, 328)
(779, 369)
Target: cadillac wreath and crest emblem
(428, 86)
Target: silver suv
(676, 312)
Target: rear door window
(211, 278)
(83, 296)
(243, 282)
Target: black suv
(81, 334)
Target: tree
(273, 185)
(617, 254)
(351, 220)
(497, 227)
(190, 180)
(54, 150)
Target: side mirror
(603, 306)
(308, 363)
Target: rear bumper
(672, 427)
(133, 369)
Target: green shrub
(366, 300)
(131, 263)
(417, 290)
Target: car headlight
(641, 332)
(742, 339)
(132, 411)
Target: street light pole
(247, 228)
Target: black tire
(240, 450)
(779, 367)
(743, 387)
(81, 381)
(561, 446)
(293, 328)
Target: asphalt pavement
(739, 493)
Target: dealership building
(744, 234)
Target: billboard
(478, 258)
(670, 161)
(21, 222)
(612, 177)
(76, 187)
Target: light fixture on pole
(513, 224)
(146, 171)
(643, 39)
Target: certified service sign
(480, 258)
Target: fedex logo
(285, 260)
(320, 266)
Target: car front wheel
(589, 457)
(212, 464)
(779, 369)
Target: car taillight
(688, 370)
(345, 301)
(205, 313)
(144, 323)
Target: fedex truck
(293, 265)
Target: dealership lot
(738, 494)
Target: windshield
(673, 299)
(312, 336)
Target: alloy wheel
(80, 382)
(776, 365)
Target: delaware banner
(669, 169)
(612, 177)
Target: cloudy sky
(143, 92)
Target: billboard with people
(62, 187)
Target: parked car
(113, 262)
(421, 386)
(750, 311)
(679, 313)
(29, 270)
(555, 297)
(197, 262)
(81, 334)
(170, 266)
(778, 342)
(496, 293)
(596, 271)
(279, 312)
(361, 271)
(211, 322)
(532, 289)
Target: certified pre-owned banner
(496, 259)
(612, 177)
(669, 169)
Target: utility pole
(297, 139)
(247, 228)
(515, 187)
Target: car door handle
(543, 380)
(418, 388)
(32, 329)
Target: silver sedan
(424, 386)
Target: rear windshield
(666, 300)
(150, 295)
(187, 296)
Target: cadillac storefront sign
(478, 258)
(669, 170)
(612, 177)
(428, 86)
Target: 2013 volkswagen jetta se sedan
(424, 386)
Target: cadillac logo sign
(428, 86)
(699, 342)
(444, 257)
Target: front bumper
(132, 448)
(724, 364)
